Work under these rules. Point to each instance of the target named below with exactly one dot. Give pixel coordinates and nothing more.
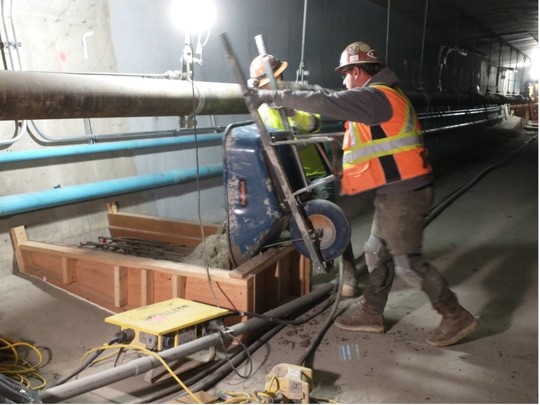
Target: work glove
(259, 97)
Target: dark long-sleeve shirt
(363, 104)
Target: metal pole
(421, 84)
(387, 33)
(144, 364)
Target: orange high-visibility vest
(380, 154)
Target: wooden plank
(228, 295)
(120, 286)
(178, 286)
(147, 287)
(117, 259)
(158, 229)
(261, 262)
(304, 272)
(18, 236)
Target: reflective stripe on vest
(376, 155)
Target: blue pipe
(16, 204)
(76, 150)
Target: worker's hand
(253, 94)
(253, 83)
(266, 96)
(259, 97)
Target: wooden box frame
(121, 282)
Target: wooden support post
(147, 287)
(178, 286)
(120, 286)
(18, 236)
(69, 270)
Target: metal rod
(420, 82)
(387, 32)
(144, 364)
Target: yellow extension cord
(17, 367)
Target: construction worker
(383, 151)
(301, 122)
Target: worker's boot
(456, 323)
(361, 318)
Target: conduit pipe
(144, 364)
(18, 203)
(46, 95)
(78, 150)
(47, 140)
(423, 99)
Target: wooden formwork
(120, 282)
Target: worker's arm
(366, 105)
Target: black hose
(308, 355)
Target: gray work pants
(395, 246)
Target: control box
(167, 324)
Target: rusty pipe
(50, 95)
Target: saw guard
(329, 219)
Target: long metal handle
(261, 47)
(304, 226)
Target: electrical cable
(210, 376)
(205, 380)
(308, 355)
(197, 180)
(122, 336)
(155, 355)
(13, 364)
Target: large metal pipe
(46, 95)
(19, 203)
(144, 364)
(49, 95)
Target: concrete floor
(486, 245)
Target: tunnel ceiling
(475, 24)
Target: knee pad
(405, 269)
(372, 248)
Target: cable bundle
(19, 377)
